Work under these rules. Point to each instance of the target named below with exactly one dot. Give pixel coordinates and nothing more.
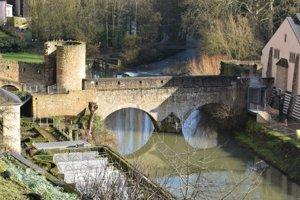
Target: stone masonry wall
(22, 72)
(50, 60)
(158, 102)
(70, 65)
(68, 104)
(158, 82)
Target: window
(293, 57)
(276, 53)
(285, 37)
(23, 69)
(7, 67)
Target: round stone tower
(10, 112)
(70, 65)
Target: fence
(53, 89)
(294, 103)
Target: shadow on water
(197, 133)
(217, 160)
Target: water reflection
(240, 185)
(197, 133)
(133, 128)
(213, 172)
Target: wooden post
(270, 63)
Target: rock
(171, 124)
(86, 197)
(6, 175)
(34, 196)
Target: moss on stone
(275, 147)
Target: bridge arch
(150, 115)
(132, 127)
(200, 127)
(11, 88)
(214, 106)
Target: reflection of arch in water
(197, 132)
(10, 88)
(153, 119)
(133, 128)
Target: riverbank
(274, 147)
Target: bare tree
(93, 107)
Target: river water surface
(200, 163)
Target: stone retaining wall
(22, 72)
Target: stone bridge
(157, 96)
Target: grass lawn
(24, 57)
(275, 147)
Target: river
(199, 163)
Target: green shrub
(141, 56)
(57, 121)
(23, 95)
(230, 69)
(9, 44)
(43, 152)
(131, 42)
(254, 127)
(45, 165)
(43, 158)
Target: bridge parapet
(159, 82)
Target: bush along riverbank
(281, 151)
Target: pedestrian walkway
(61, 145)
(289, 130)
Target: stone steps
(78, 156)
(87, 169)
(64, 167)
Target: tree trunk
(18, 8)
(271, 20)
(92, 107)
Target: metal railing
(53, 89)
(35, 88)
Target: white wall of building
(9, 10)
(291, 44)
(2, 11)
